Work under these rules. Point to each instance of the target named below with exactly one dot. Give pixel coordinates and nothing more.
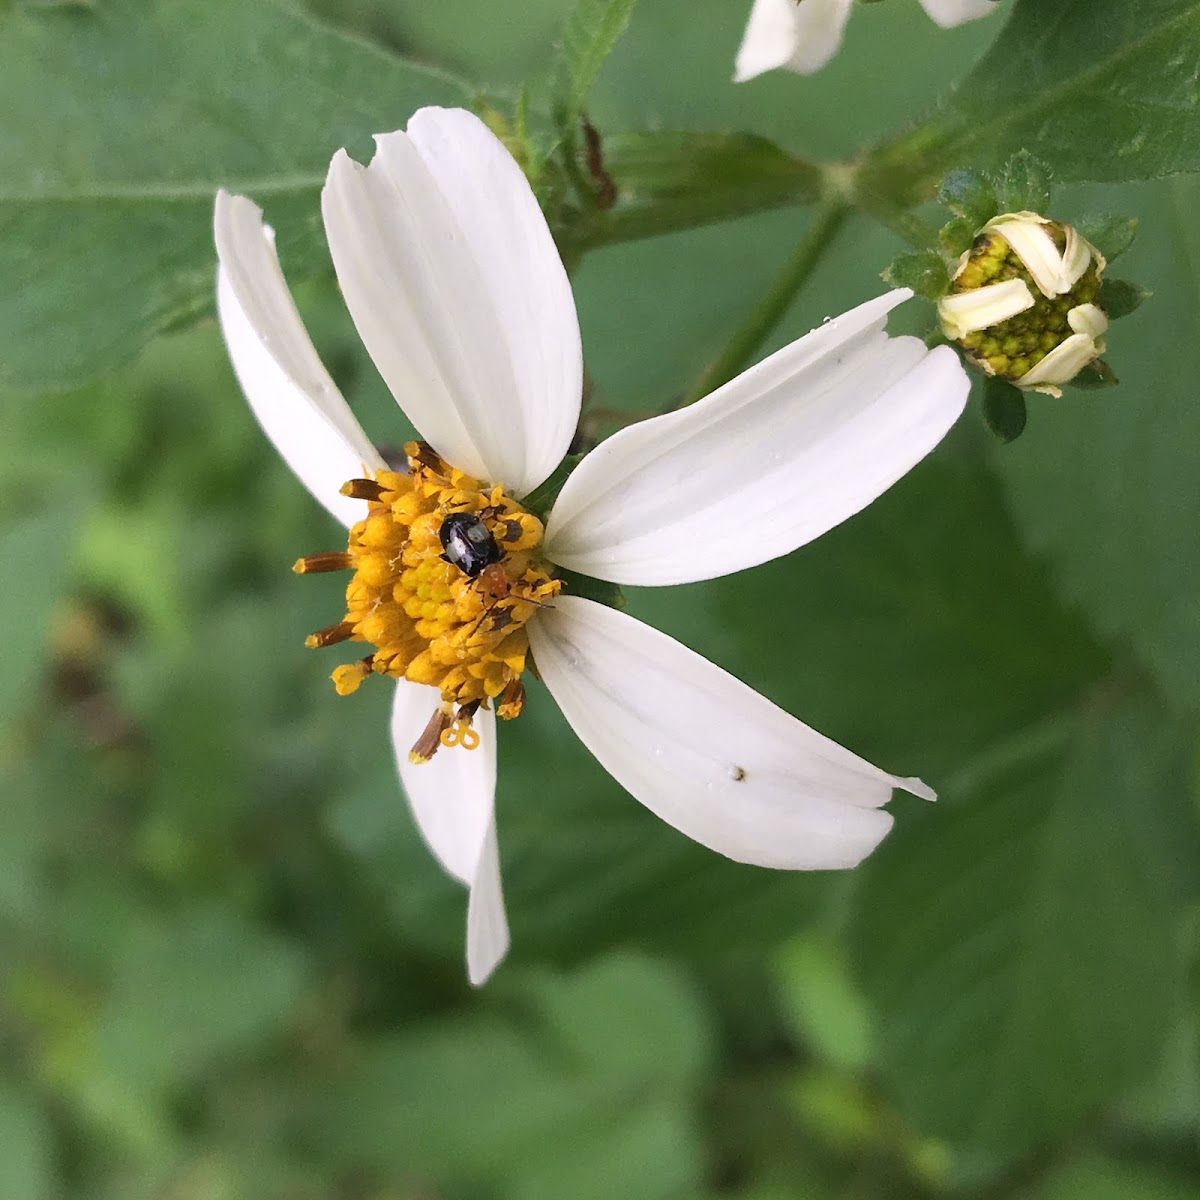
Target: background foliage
(228, 967)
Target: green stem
(918, 233)
(741, 348)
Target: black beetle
(468, 544)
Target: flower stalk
(747, 339)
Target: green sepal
(957, 235)
(1110, 233)
(1119, 297)
(1025, 184)
(670, 180)
(925, 272)
(1004, 409)
(1095, 375)
(971, 195)
(599, 590)
(541, 500)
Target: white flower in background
(452, 277)
(1022, 302)
(803, 35)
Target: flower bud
(1022, 302)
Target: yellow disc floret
(428, 619)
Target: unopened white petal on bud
(966, 312)
(1069, 357)
(1078, 255)
(1090, 319)
(1031, 242)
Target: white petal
(786, 451)
(487, 925)
(1077, 257)
(802, 35)
(980, 308)
(1034, 246)
(449, 270)
(703, 751)
(820, 25)
(955, 12)
(1089, 319)
(769, 40)
(453, 798)
(453, 795)
(289, 391)
(1063, 363)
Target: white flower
(803, 35)
(449, 270)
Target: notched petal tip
(916, 787)
(458, 292)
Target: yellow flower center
(446, 576)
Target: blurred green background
(228, 966)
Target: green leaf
(1025, 184)
(1098, 1178)
(123, 123)
(1119, 297)
(1103, 89)
(924, 272)
(592, 30)
(1104, 486)
(1097, 374)
(191, 991)
(956, 236)
(1111, 233)
(670, 181)
(627, 1015)
(1004, 409)
(26, 1172)
(822, 1004)
(29, 611)
(1021, 943)
(589, 1086)
(969, 194)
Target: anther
(425, 454)
(362, 489)
(332, 560)
(426, 746)
(329, 635)
(512, 700)
(347, 677)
